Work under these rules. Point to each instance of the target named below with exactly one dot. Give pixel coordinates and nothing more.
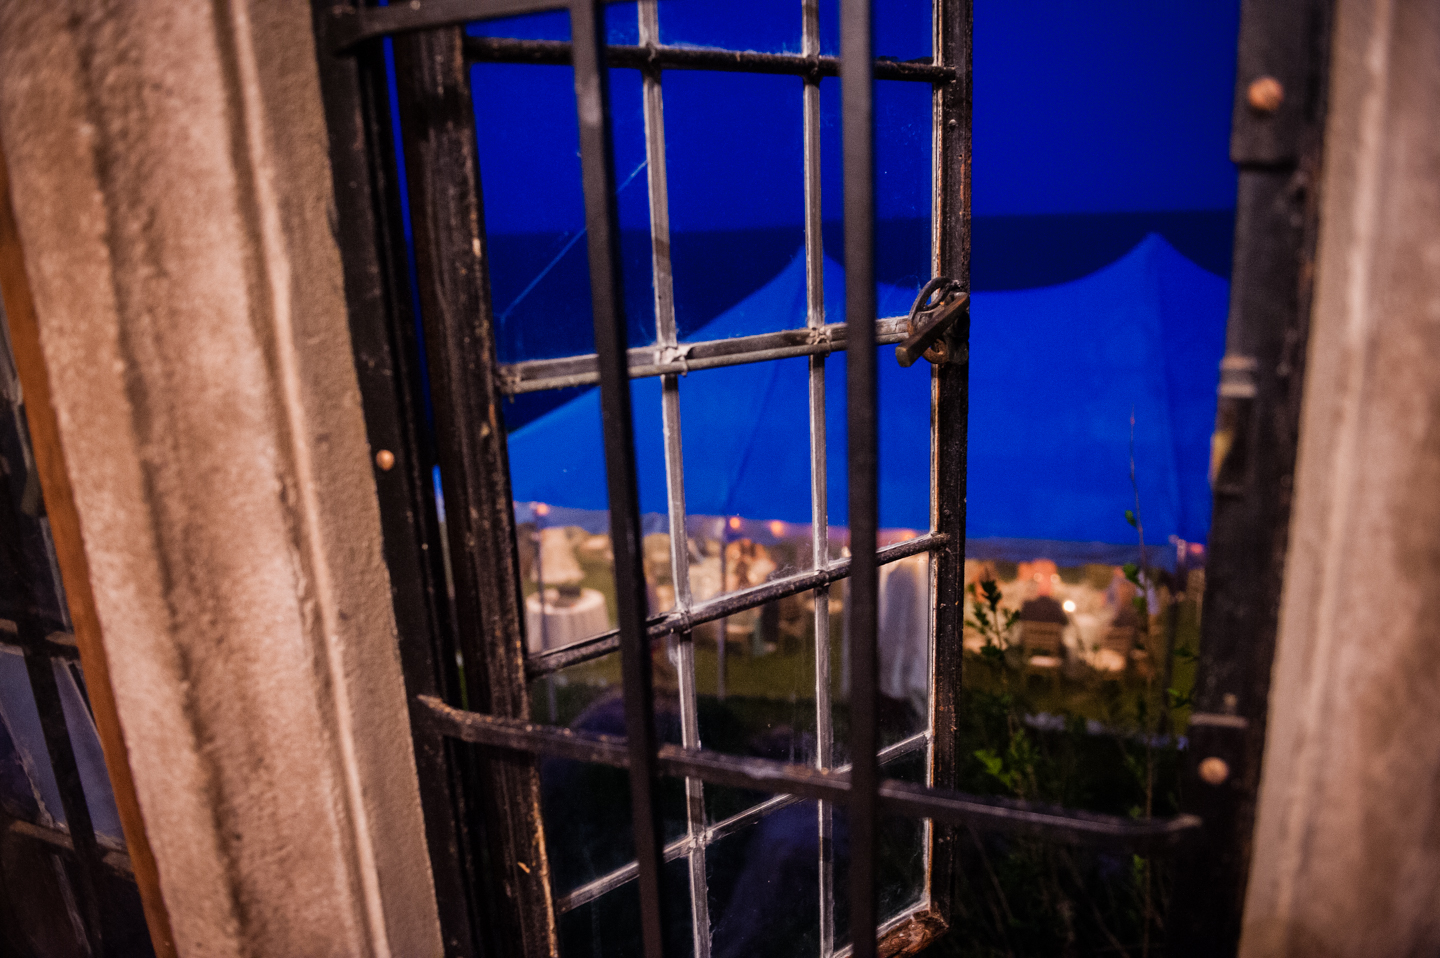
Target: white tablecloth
(564, 624)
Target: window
(504, 783)
(66, 880)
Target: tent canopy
(1056, 375)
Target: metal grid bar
(352, 26)
(810, 65)
(858, 136)
(57, 645)
(950, 391)
(608, 303)
(116, 862)
(665, 336)
(609, 882)
(546, 663)
(807, 782)
(538, 374)
(819, 503)
(451, 263)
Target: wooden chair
(1119, 638)
(1042, 638)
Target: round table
(563, 623)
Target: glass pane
(552, 25)
(747, 477)
(904, 397)
(763, 703)
(899, 876)
(903, 705)
(28, 785)
(529, 150)
(621, 26)
(746, 433)
(764, 25)
(588, 826)
(899, 860)
(557, 479)
(904, 643)
(737, 202)
(903, 158)
(904, 121)
(905, 590)
(588, 829)
(580, 697)
(765, 886)
(902, 29)
(610, 925)
(535, 215)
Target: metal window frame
(1279, 155)
(486, 796)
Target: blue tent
(1055, 376)
(745, 428)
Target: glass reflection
(765, 887)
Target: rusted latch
(939, 305)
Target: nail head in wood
(1265, 94)
(1214, 771)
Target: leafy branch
(986, 617)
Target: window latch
(939, 305)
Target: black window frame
(476, 751)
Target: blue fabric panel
(1056, 374)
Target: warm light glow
(734, 522)
(777, 528)
(541, 509)
(1069, 605)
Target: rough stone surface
(1347, 843)
(171, 184)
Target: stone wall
(170, 178)
(1347, 847)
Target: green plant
(1032, 735)
(986, 617)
